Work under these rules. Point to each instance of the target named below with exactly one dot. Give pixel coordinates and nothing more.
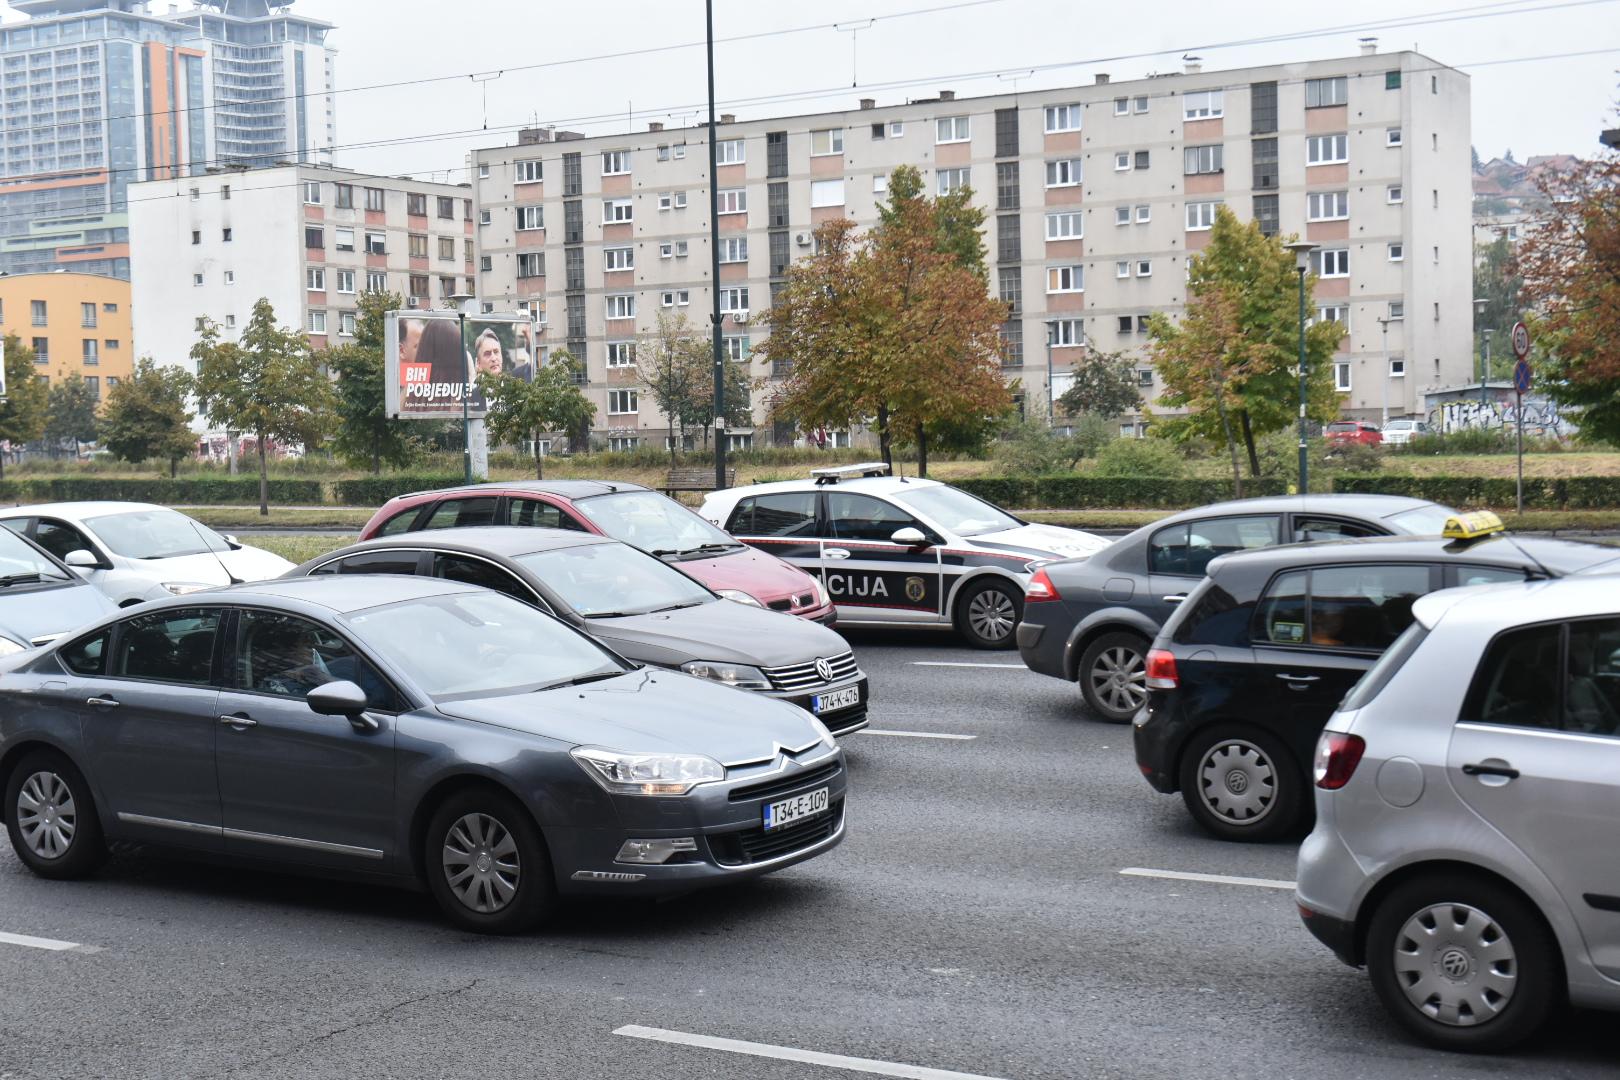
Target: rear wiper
(19, 579)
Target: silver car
(1466, 848)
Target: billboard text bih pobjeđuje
(429, 366)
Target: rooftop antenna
(1015, 77)
(483, 80)
(853, 29)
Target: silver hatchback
(1467, 844)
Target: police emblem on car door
(864, 567)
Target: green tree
(674, 365)
(269, 383)
(70, 414)
(1496, 280)
(528, 409)
(366, 434)
(22, 411)
(958, 223)
(1105, 385)
(146, 416)
(1233, 362)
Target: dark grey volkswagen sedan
(639, 606)
(417, 731)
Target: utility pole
(1302, 263)
(714, 273)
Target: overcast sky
(1533, 107)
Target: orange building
(76, 324)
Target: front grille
(777, 785)
(848, 720)
(757, 845)
(793, 603)
(781, 605)
(804, 676)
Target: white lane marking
(917, 734)
(962, 663)
(1211, 879)
(789, 1053)
(49, 944)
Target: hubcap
(1237, 782)
(481, 863)
(991, 614)
(1119, 680)
(1455, 964)
(46, 815)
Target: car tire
(1241, 784)
(486, 863)
(987, 614)
(51, 817)
(1113, 676)
(1441, 951)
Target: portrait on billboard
(429, 368)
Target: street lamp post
(461, 300)
(1480, 305)
(1051, 334)
(714, 276)
(1302, 263)
(1383, 324)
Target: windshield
(1342, 427)
(479, 645)
(1422, 520)
(18, 559)
(956, 511)
(155, 534)
(600, 580)
(653, 523)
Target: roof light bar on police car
(833, 474)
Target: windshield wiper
(19, 579)
(709, 547)
(612, 614)
(580, 680)
(677, 607)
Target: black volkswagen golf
(1247, 672)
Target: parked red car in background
(1341, 432)
(629, 512)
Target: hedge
(376, 490)
(1540, 492)
(202, 490)
(1110, 492)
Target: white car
(139, 551)
(1397, 432)
(898, 550)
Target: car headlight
(739, 596)
(181, 588)
(822, 599)
(8, 646)
(826, 736)
(647, 774)
(742, 676)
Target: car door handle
(102, 702)
(1174, 598)
(1507, 772)
(835, 553)
(1299, 678)
(239, 721)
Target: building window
(734, 300)
(1434, 197)
(619, 258)
(1392, 136)
(483, 170)
(621, 305)
(1392, 80)
(1062, 118)
(91, 355)
(1341, 377)
(735, 348)
(1204, 159)
(1012, 344)
(376, 243)
(225, 235)
(531, 217)
(376, 281)
(678, 298)
(1009, 238)
(1122, 268)
(830, 141)
(527, 172)
(1065, 225)
(1144, 377)
(447, 249)
(374, 199)
(1065, 279)
(1397, 368)
(315, 279)
(1139, 104)
(1262, 108)
(1122, 215)
(1063, 173)
(1006, 185)
(196, 194)
(951, 180)
(617, 210)
(196, 279)
(1122, 106)
(1122, 161)
(346, 324)
(415, 203)
(37, 312)
(484, 217)
(87, 315)
(418, 245)
(1334, 313)
(1331, 262)
(343, 196)
(418, 286)
(951, 129)
(731, 200)
(485, 264)
(1010, 288)
(1397, 310)
(663, 152)
(728, 152)
(1322, 93)
(531, 264)
(345, 281)
(317, 322)
(196, 236)
(42, 347)
(1144, 268)
(230, 322)
(1327, 206)
(109, 309)
(1141, 159)
(314, 237)
(615, 162)
(826, 193)
(1327, 149)
(734, 249)
(312, 193)
(343, 239)
(1203, 105)
(1397, 252)
(1144, 214)
(1201, 215)
(621, 354)
(1067, 332)
(622, 402)
(447, 207)
(112, 343)
(1394, 194)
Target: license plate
(838, 699)
(786, 812)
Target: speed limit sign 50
(1521, 340)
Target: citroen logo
(824, 668)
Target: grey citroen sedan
(637, 605)
(418, 731)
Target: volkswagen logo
(824, 669)
(1455, 963)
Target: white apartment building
(1094, 198)
(311, 239)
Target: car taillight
(1337, 755)
(1040, 589)
(1161, 669)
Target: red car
(1353, 431)
(628, 512)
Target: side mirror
(236, 545)
(342, 698)
(80, 559)
(910, 537)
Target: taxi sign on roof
(1471, 526)
(835, 473)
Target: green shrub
(199, 489)
(376, 490)
(1140, 457)
(1352, 457)
(1084, 492)
(1540, 492)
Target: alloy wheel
(481, 863)
(1237, 782)
(1455, 964)
(1119, 679)
(47, 815)
(991, 615)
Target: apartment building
(1094, 196)
(75, 324)
(308, 238)
(101, 94)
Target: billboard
(427, 367)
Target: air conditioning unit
(412, 301)
(740, 316)
(803, 239)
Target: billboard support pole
(714, 275)
(461, 300)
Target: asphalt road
(975, 920)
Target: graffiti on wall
(1541, 417)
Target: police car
(897, 550)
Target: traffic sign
(1521, 340)
(1521, 376)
